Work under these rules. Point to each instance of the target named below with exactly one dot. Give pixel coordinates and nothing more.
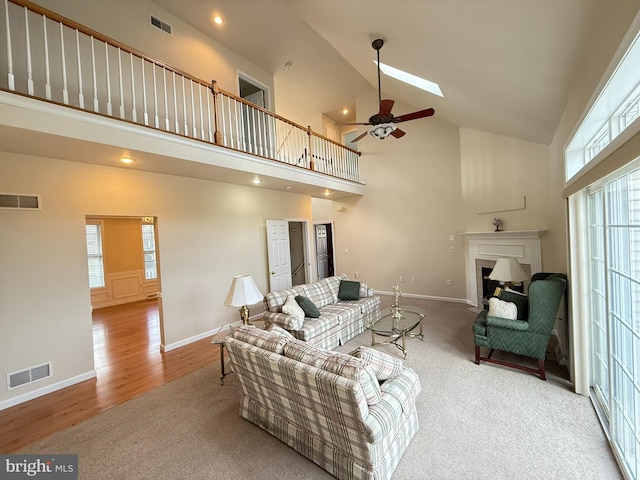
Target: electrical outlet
(449, 282)
(451, 237)
(401, 279)
(413, 279)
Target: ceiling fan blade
(353, 123)
(385, 107)
(360, 137)
(412, 116)
(398, 133)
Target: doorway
(124, 282)
(257, 126)
(325, 263)
(288, 253)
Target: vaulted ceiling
(504, 66)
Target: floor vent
(164, 26)
(15, 200)
(30, 375)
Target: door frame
(333, 245)
(310, 270)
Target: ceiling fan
(383, 122)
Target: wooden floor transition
(128, 363)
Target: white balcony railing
(55, 59)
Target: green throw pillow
(349, 290)
(309, 308)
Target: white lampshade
(243, 292)
(508, 270)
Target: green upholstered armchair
(529, 333)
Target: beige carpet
(476, 422)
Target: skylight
(411, 79)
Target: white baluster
(184, 108)
(80, 94)
(201, 111)
(166, 101)
(10, 76)
(96, 105)
(175, 102)
(193, 111)
(47, 69)
(28, 46)
(144, 93)
(134, 114)
(106, 60)
(209, 122)
(155, 98)
(120, 83)
(65, 89)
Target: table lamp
(243, 292)
(507, 270)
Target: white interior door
(279, 255)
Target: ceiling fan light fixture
(382, 130)
(418, 82)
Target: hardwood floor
(128, 363)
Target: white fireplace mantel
(523, 245)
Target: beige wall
(401, 226)
(207, 233)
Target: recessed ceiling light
(421, 83)
(256, 181)
(217, 19)
(126, 160)
(345, 111)
(327, 193)
(288, 187)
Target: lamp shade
(508, 270)
(243, 292)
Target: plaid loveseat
(352, 416)
(339, 321)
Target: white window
(614, 261)
(149, 251)
(615, 110)
(94, 253)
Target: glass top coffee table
(396, 323)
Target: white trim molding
(524, 245)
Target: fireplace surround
(484, 248)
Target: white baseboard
(25, 397)
(210, 333)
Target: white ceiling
(505, 66)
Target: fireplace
(483, 249)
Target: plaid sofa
(339, 321)
(354, 416)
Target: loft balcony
(69, 92)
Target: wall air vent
(21, 201)
(29, 375)
(164, 26)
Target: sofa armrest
(499, 322)
(280, 319)
(397, 400)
